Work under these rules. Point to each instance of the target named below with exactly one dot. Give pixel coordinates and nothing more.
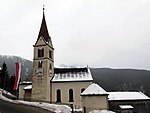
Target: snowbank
(51, 107)
(77, 109)
(101, 111)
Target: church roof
(72, 74)
(43, 30)
(94, 89)
(122, 96)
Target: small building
(139, 101)
(22, 85)
(27, 90)
(94, 98)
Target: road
(6, 107)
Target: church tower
(43, 65)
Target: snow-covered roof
(28, 87)
(94, 89)
(25, 82)
(126, 106)
(72, 74)
(114, 96)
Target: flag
(18, 72)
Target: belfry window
(71, 95)
(40, 52)
(40, 64)
(58, 95)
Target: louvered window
(40, 52)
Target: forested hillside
(122, 79)
(109, 79)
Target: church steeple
(43, 30)
(43, 65)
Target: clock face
(39, 72)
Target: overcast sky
(97, 33)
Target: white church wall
(64, 88)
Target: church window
(71, 95)
(40, 52)
(84, 109)
(58, 95)
(82, 90)
(50, 54)
(50, 66)
(40, 64)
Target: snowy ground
(51, 107)
(101, 111)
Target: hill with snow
(10, 61)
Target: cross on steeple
(43, 7)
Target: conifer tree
(11, 82)
(4, 76)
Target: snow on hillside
(26, 65)
(51, 107)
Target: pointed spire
(43, 30)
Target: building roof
(43, 30)
(94, 89)
(72, 75)
(118, 96)
(126, 106)
(28, 87)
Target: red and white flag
(18, 72)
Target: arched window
(71, 95)
(50, 66)
(40, 64)
(50, 54)
(58, 95)
(82, 90)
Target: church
(63, 85)
(72, 86)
